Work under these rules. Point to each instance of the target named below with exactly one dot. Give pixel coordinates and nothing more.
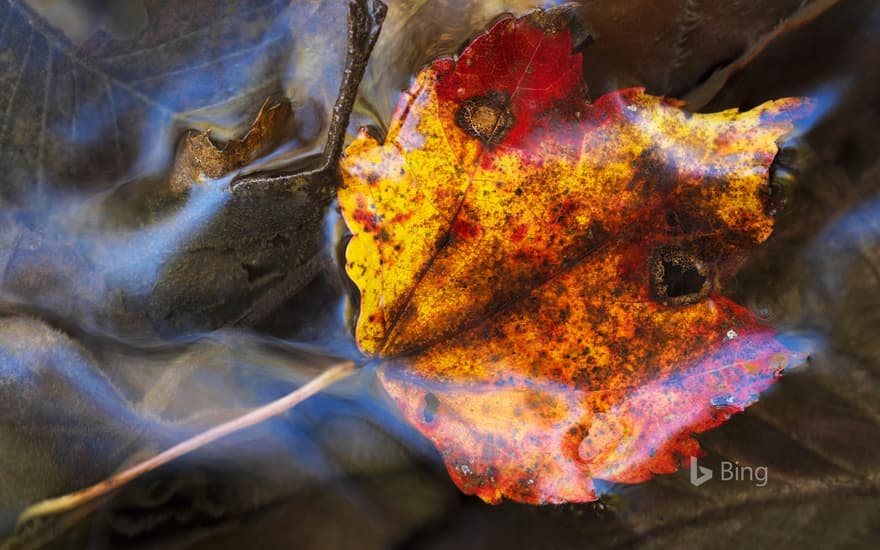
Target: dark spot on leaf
(487, 118)
(678, 278)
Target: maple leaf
(540, 275)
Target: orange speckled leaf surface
(541, 275)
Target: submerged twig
(364, 24)
(702, 94)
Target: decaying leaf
(257, 246)
(199, 158)
(541, 275)
(213, 247)
(178, 268)
(181, 255)
(87, 110)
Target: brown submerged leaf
(200, 158)
(86, 114)
(193, 252)
(212, 254)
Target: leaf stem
(70, 501)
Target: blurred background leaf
(96, 92)
(97, 225)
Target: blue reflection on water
(135, 257)
(825, 99)
(849, 231)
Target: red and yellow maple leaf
(540, 275)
